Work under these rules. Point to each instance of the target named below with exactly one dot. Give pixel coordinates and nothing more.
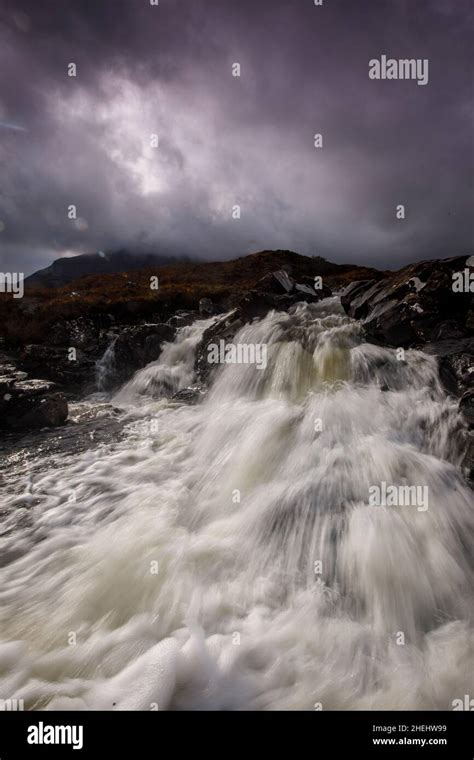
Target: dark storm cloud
(225, 140)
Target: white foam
(235, 616)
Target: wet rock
(54, 363)
(225, 329)
(307, 285)
(191, 395)
(74, 372)
(51, 411)
(32, 404)
(355, 298)
(32, 387)
(305, 289)
(277, 291)
(278, 282)
(456, 363)
(466, 406)
(468, 463)
(82, 332)
(182, 318)
(257, 303)
(206, 307)
(139, 345)
(413, 306)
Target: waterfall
(173, 370)
(227, 555)
(105, 367)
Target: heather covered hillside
(127, 295)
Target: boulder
(413, 306)
(278, 282)
(53, 363)
(456, 363)
(51, 411)
(306, 286)
(182, 318)
(206, 307)
(225, 329)
(278, 291)
(31, 404)
(137, 346)
(190, 395)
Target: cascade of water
(228, 555)
(105, 367)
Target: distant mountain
(63, 271)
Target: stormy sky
(225, 140)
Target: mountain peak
(67, 269)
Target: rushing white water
(106, 366)
(182, 574)
(173, 371)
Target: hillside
(65, 270)
(127, 295)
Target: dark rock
(413, 306)
(271, 292)
(190, 395)
(31, 404)
(468, 462)
(51, 411)
(278, 282)
(83, 332)
(307, 285)
(225, 329)
(32, 387)
(53, 363)
(355, 298)
(133, 308)
(183, 318)
(456, 370)
(137, 346)
(456, 364)
(257, 303)
(206, 307)
(306, 289)
(466, 406)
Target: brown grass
(181, 286)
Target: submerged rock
(191, 395)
